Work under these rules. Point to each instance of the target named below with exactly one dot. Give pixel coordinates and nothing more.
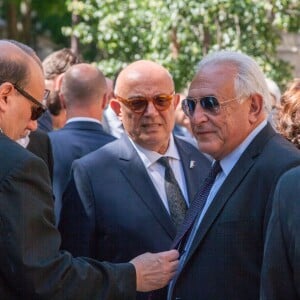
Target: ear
(104, 101)
(116, 107)
(58, 82)
(62, 100)
(256, 107)
(176, 98)
(6, 90)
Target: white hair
(274, 90)
(249, 79)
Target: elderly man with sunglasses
(31, 264)
(221, 241)
(122, 200)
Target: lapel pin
(192, 164)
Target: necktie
(176, 202)
(196, 206)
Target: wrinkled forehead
(213, 79)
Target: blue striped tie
(196, 207)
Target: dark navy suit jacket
(280, 279)
(71, 142)
(31, 265)
(40, 145)
(225, 258)
(111, 209)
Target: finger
(174, 266)
(171, 254)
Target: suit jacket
(73, 141)
(31, 265)
(280, 279)
(45, 122)
(225, 258)
(39, 144)
(111, 209)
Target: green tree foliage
(25, 20)
(177, 33)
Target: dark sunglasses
(209, 104)
(39, 108)
(139, 104)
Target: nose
(32, 125)
(199, 115)
(150, 110)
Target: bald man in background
(83, 92)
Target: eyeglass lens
(36, 112)
(208, 103)
(139, 104)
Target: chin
(207, 148)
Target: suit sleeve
(281, 264)
(78, 204)
(30, 260)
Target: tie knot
(164, 161)
(215, 169)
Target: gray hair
(249, 79)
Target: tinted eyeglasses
(210, 104)
(139, 104)
(39, 108)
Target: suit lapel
(193, 178)
(134, 171)
(231, 183)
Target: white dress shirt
(157, 172)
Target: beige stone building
(289, 50)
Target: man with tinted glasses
(31, 265)
(118, 202)
(222, 251)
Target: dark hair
(59, 62)
(14, 71)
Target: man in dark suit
(31, 265)
(116, 205)
(83, 92)
(280, 278)
(222, 254)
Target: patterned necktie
(176, 202)
(196, 207)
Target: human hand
(155, 270)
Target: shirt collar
(76, 119)
(228, 162)
(150, 157)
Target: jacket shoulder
(12, 155)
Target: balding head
(148, 85)
(145, 74)
(13, 63)
(21, 80)
(82, 85)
